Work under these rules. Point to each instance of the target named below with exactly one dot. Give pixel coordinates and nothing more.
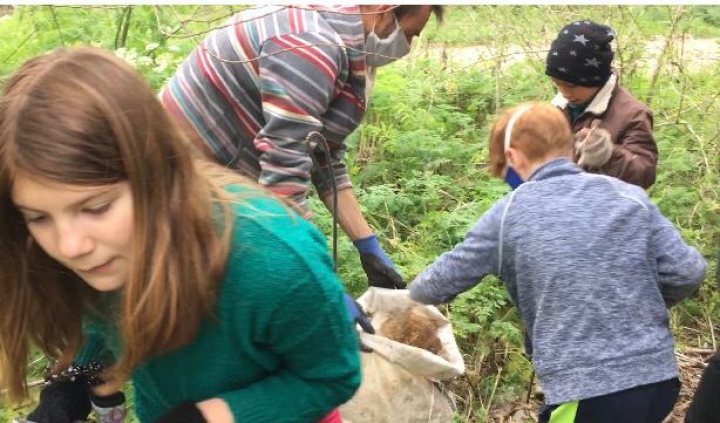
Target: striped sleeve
(297, 83)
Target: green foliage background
(418, 159)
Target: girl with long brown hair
(215, 299)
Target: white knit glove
(596, 148)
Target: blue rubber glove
(377, 265)
(357, 316)
(370, 245)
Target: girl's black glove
(63, 402)
(186, 412)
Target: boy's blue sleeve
(680, 267)
(465, 265)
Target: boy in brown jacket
(621, 144)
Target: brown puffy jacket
(630, 123)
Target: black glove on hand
(186, 412)
(380, 274)
(63, 402)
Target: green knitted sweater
(281, 348)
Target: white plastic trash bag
(399, 380)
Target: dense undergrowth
(418, 159)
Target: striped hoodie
(258, 84)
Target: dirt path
(693, 53)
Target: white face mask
(382, 51)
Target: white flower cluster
(152, 63)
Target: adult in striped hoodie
(250, 94)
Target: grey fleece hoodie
(591, 265)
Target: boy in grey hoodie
(590, 263)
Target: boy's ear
(513, 157)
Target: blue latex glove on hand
(377, 265)
(358, 316)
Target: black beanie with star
(581, 54)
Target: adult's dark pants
(642, 404)
(705, 406)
